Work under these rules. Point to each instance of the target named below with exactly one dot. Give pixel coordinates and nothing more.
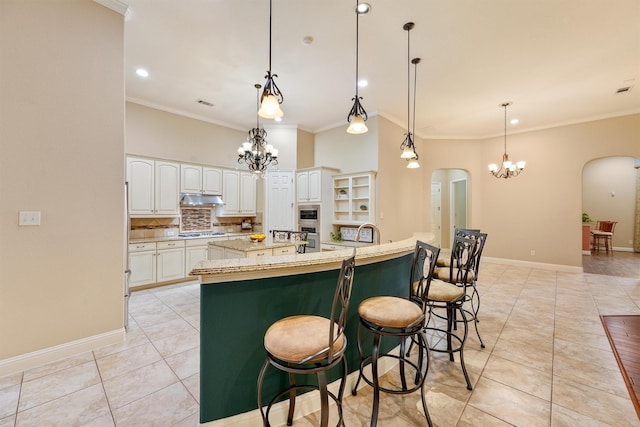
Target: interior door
(436, 212)
(279, 213)
(458, 205)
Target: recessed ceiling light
(363, 8)
(278, 119)
(363, 83)
(142, 72)
(514, 121)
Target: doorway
(449, 203)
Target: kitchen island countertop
(247, 245)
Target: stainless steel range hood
(195, 199)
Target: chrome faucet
(376, 234)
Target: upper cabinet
(310, 184)
(200, 179)
(153, 187)
(239, 194)
(354, 198)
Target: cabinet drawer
(139, 247)
(332, 247)
(289, 250)
(171, 245)
(259, 254)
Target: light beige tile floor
(547, 362)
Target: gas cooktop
(201, 234)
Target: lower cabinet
(150, 262)
(142, 263)
(170, 261)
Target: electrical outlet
(533, 252)
(29, 218)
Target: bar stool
(308, 344)
(445, 273)
(450, 295)
(403, 318)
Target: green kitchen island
(241, 298)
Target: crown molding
(115, 5)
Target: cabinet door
(140, 174)
(247, 193)
(167, 188)
(190, 179)
(314, 186)
(302, 186)
(216, 252)
(231, 192)
(211, 180)
(143, 268)
(193, 255)
(170, 264)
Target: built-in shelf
(351, 192)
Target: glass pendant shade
(408, 153)
(413, 164)
(357, 125)
(270, 108)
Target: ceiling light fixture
(408, 147)
(357, 115)
(255, 152)
(142, 72)
(508, 169)
(271, 95)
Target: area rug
(624, 336)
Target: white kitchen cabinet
(170, 261)
(354, 198)
(197, 250)
(142, 263)
(239, 194)
(153, 187)
(200, 179)
(247, 193)
(311, 182)
(216, 252)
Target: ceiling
(558, 61)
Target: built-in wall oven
(309, 221)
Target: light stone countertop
(229, 270)
(248, 245)
(170, 238)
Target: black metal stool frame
(462, 258)
(320, 362)
(422, 267)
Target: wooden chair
(603, 236)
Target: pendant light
(408, 147)
(358, 116)
(271, 95)
(508, 169)
(255, 152)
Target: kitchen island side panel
(235, 315)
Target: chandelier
(357, 115)
(255, 152)
(508, 169)
(271, 96)
(408, 147)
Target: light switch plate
(29, 218)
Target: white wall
(338, 149)
(62, 144)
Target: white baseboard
(586, 252)
(538, 265)
(306, 404)
(621, 249)
(58, 352)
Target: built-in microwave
(309, 213)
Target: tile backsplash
(193, 219)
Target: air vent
(203, 102)
(624, 89)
